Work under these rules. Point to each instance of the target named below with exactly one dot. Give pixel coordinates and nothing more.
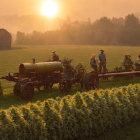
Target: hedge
(87, 114)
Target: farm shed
(5, 39)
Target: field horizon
(10, 60)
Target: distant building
(5, 40)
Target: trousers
(102, 65)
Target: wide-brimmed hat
(102, 50)
(53, 51)
(127, 55)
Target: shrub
(83, 114)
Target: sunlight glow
(50, 9)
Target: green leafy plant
(86, 114)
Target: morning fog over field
(26, 15)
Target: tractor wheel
(27, 91)
(17, 89)
(65, 87)
(91, 81)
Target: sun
(50, 9)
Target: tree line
(104, 31)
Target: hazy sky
(74, 8)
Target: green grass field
(10, 60)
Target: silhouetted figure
(93, 63)
(128, 63)
(55, 57)
(102, 65)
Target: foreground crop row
(83, 114)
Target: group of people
(101, 66)
(102, 63)
(127, 63)
(93, 62)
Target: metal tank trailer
(46, 74)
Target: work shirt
(55, 57)
(102, 57)
(127, 62)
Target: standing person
(127, 63)
(102, 65)
(55, 57)
(137, 63)
(93, 63)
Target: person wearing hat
(93, 63)
(137, 63)
(102, 64)
(55, 57)
(127, 63)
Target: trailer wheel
(17, 89)
(91, 81)
(65, 87)
(27, 91)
